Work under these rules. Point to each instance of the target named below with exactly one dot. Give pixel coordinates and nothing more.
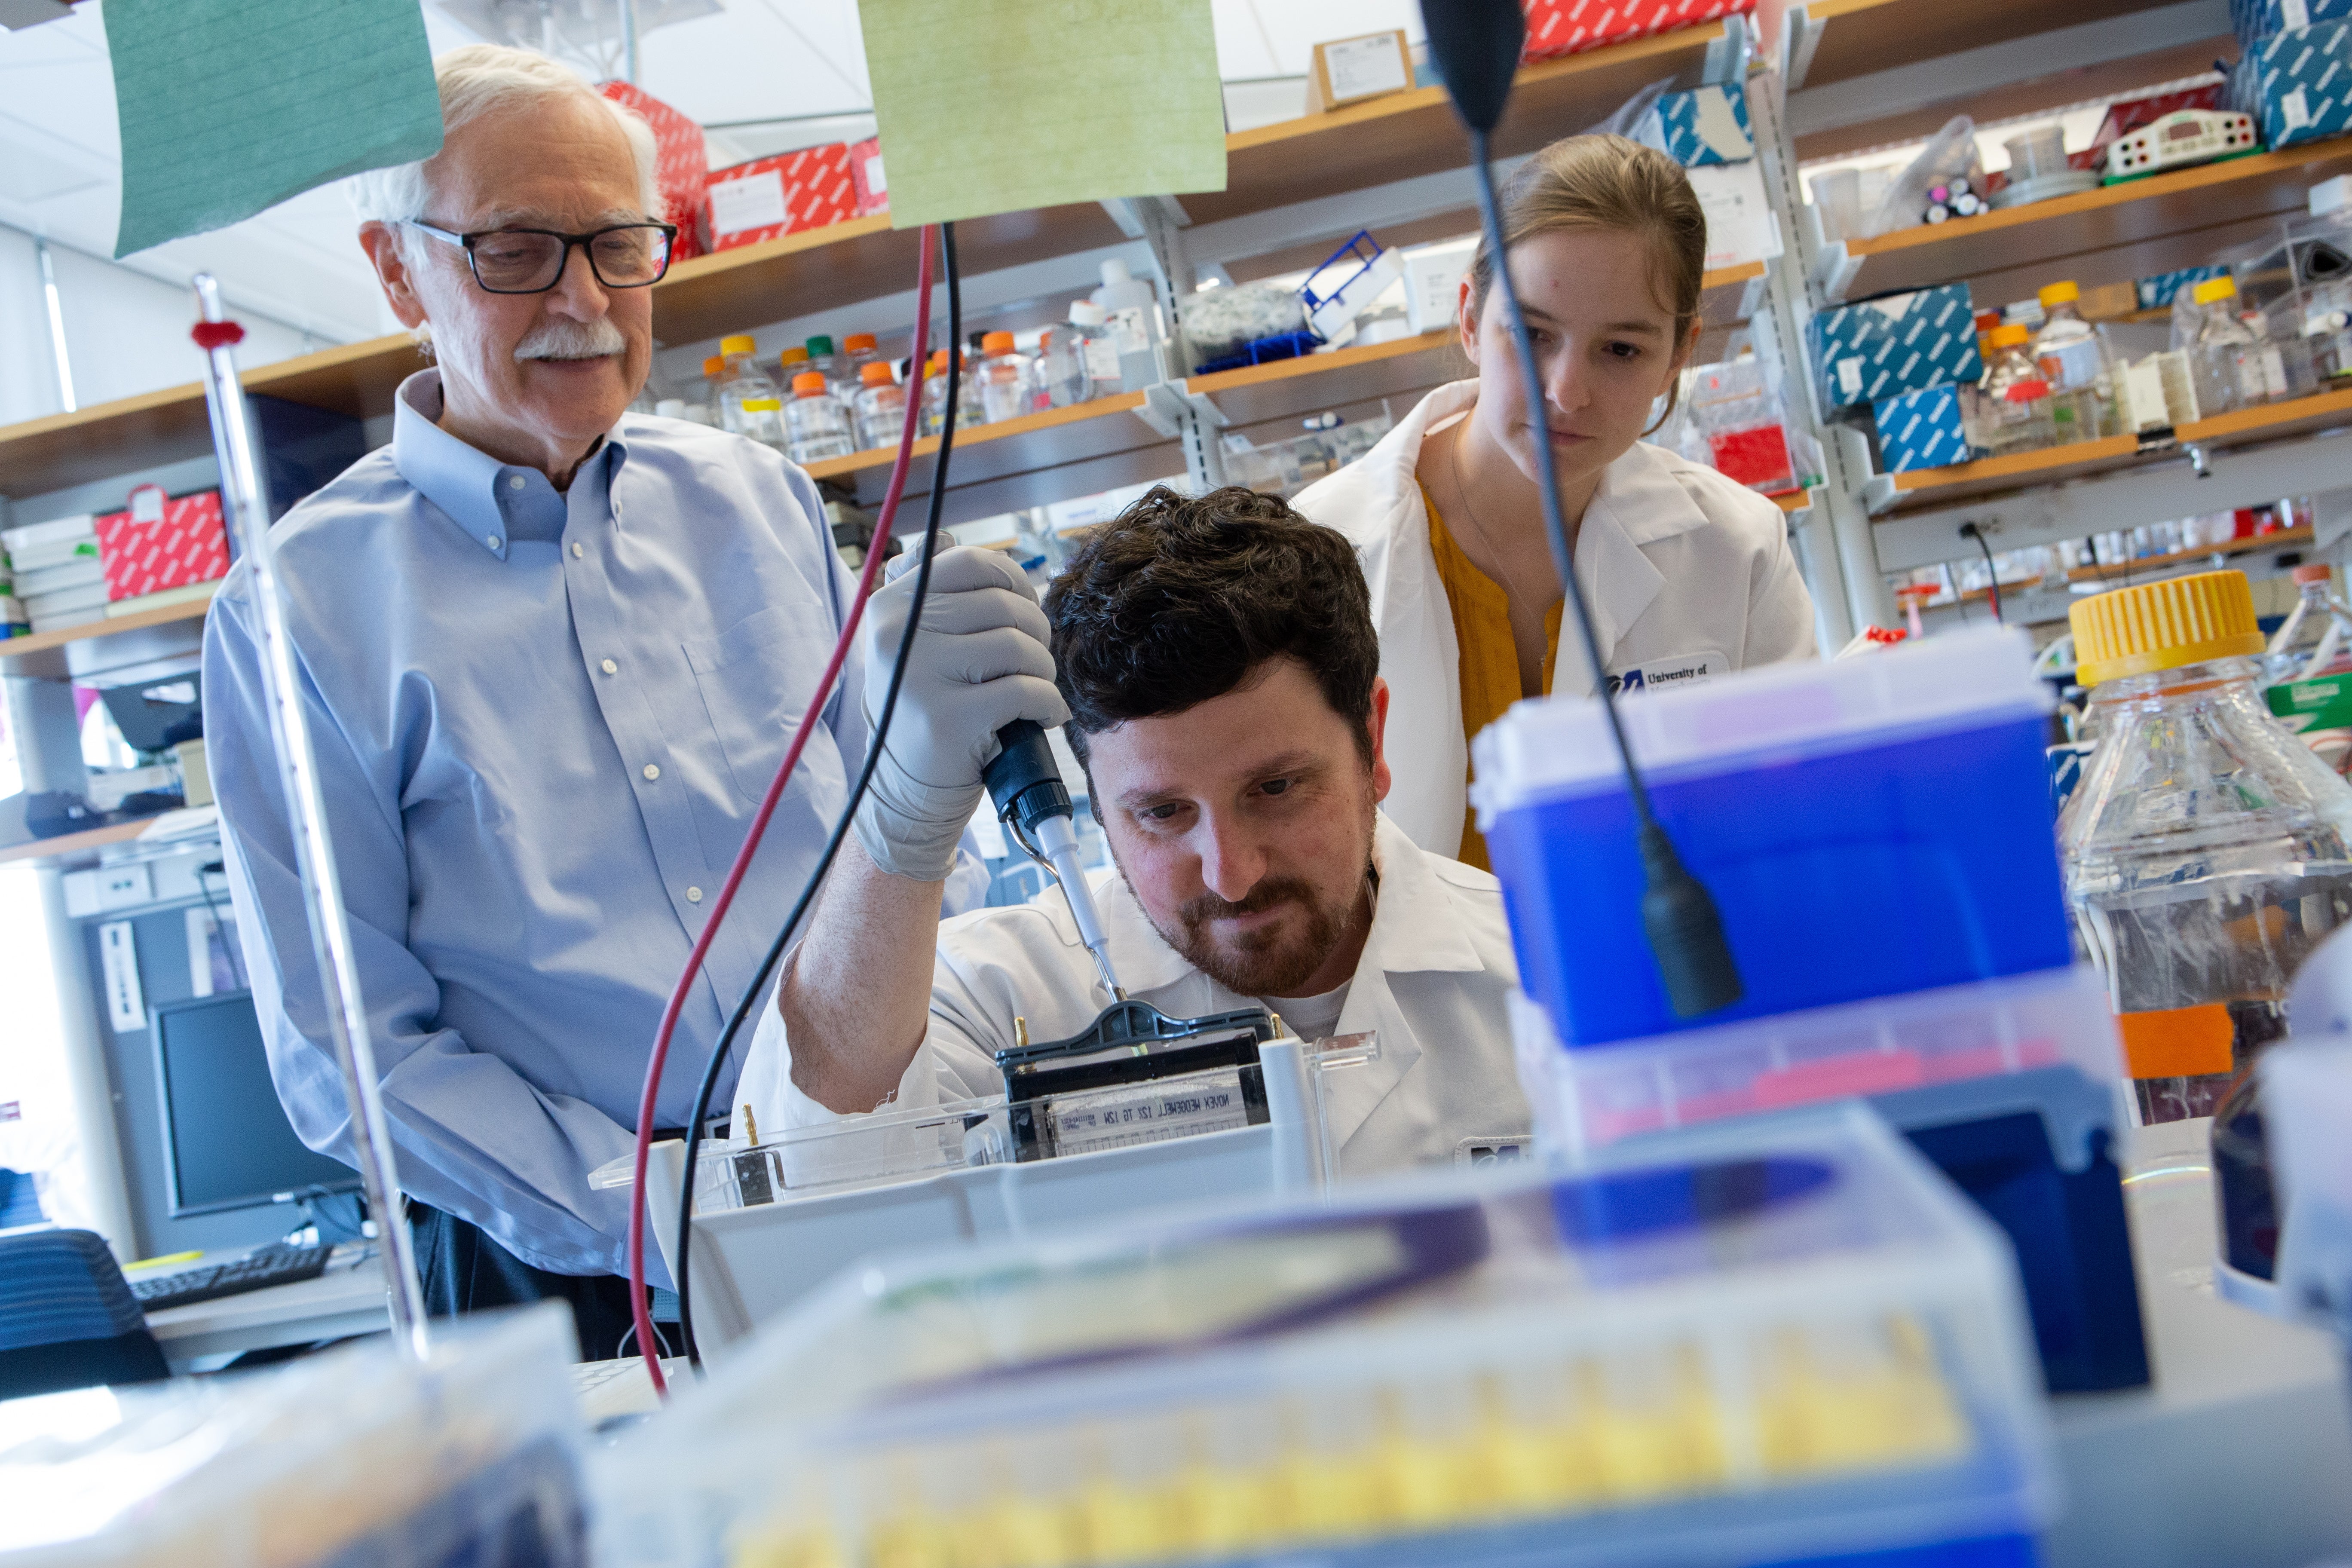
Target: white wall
(28, 380)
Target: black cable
(1992, 572)
(1678, 915)
(752, 996)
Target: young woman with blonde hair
(1688, 573)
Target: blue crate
(1707, 125)
(1921, 430)
(1904, 343)
(2254, 20)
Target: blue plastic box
(2254, 20)
(2297, 84)
(1867, 827)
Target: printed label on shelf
(1359, 66)
(1147, 1113)
(755, 201)
(1129, 333)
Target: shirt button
(492, 541)
(612, 668)
(652, 772)
(515, 482)
(694, 894)
(577, 552)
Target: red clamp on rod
(211, 335)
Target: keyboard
(208, 1283)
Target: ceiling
(754, 63)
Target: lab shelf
(1273, 167)
(2110, 235)
(115, 650)
(1839, 39)
(1922, 488)
(2124, 572)
(68, 846)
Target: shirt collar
(490, 502)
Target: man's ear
(386, 253)
(1377, 724)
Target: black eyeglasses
(532, 260)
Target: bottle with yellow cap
(2014, 401)
(748, 402)
(2232, 364)
(2206, 849)
(2075, 362)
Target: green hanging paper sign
(229, 107)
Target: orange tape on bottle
(2178, 1042)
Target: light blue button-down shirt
(543, 722)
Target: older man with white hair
(552, 652)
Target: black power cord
(1476, 45)
(1992, 572)
(756, 992)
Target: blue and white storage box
(1904, 342)
(2297, 84)
(1707, 125)
(2157, 292)
(2254, 20)
(1922, 430)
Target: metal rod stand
(245, 499)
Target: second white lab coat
(1688, 573)
(1433, 981)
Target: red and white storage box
(768, 198)
(1572, 27)
(163, 543)
(681, 166)
(866, 173)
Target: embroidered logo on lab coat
(1680, 670)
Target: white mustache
(561, 338)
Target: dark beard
(1275, 963)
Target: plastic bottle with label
(1132, 310)
(2226, 359)
(1008, 379)
(881, 406)
(1062, 367)
(2207, 848)
(748, 402)
(2075, 362)
(1089, 323)
(818, 424)
(935, 394)
(2014, 404)
(2312, 640)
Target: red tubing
(638, 1313)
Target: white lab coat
(1688, 575)
(1435, 972)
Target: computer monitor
(226, 1141)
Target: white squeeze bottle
(1131, 307)
(819, 424)
(1090, 325)
(748, 402)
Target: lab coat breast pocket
(755, 679)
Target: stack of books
(56, 572)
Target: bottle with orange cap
(2014, 401)
(880, 410)
(2206, 849)
(748, 402)
(1008, 380)
(816, 425)
(858, 349)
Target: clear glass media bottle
(2075, 362)
(2206, 849)
(819, 424)
(748, 402)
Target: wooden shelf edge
(2023, 467)
(43, 642)
(2285, 539)
(977, 435)
(76, 843)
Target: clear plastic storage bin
(354, 1459)
(1867, 827)
(1795, 1343)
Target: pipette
(1032, 801)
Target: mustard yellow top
(1490, 658)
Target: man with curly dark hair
(1216, 661)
